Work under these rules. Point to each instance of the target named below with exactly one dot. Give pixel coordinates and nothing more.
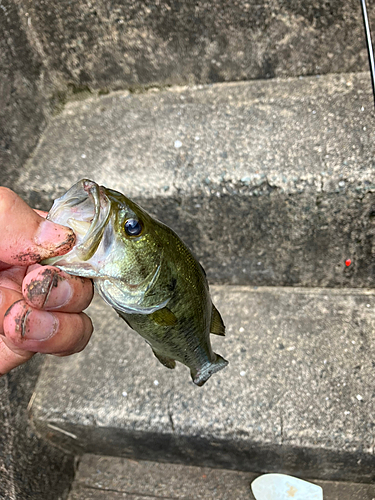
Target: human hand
(40, 306)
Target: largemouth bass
(145, 272)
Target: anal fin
(164, 360)
(217, 325)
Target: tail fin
(204, 373)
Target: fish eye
(133, 227)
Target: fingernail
(51, 234)
(50, 291)
(59, 294)
(38, 325)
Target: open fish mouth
(98, 254)
(85, 208)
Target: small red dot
(348, 262)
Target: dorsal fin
(217, 326)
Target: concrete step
(48, 53)
(29, 466)
(131, 44)
(269, 182)
(297, 396)
(110, 478)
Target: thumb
(26, 237)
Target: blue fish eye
(133, 227)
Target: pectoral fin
(164, 317)
(164, 360)
(217, 326)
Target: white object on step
(283, 487)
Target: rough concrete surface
(270, 183)
(122, 44)
(6, 444)
(113, 478)
(49, 51)
(23, 102)
(103, 475)
(297, 396)
(29, 467)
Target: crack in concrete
(170, 406)
(171, 420)
(132, 493)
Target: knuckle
(82, 343)
(63, 354)
(88, 326)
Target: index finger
(26, 237)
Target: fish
(142, 269)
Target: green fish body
(145, 272)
